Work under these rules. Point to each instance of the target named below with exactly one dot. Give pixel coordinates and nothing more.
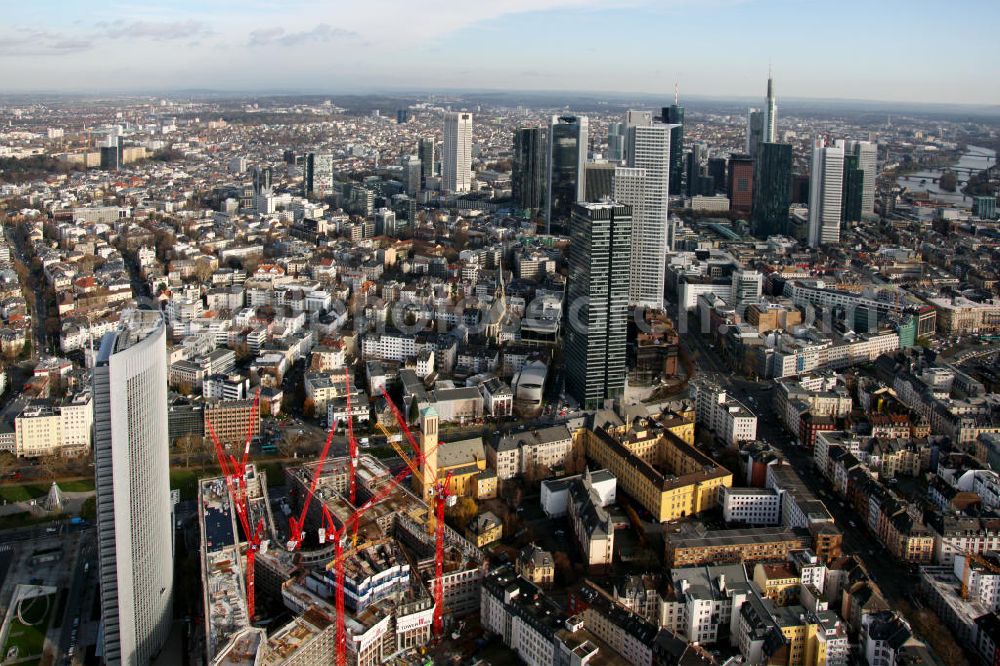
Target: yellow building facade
(657, 467)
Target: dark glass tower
(693, 169)
(428, 160)
(600, 180)
(772, 182)
(717, 170)
(601, 241)
(853, 190)
(568, 142)
(528, 170)
(674, 115)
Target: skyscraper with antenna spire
(674, 115)
(770, 112)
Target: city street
(892, 577)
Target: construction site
(351, 565)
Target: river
(975, 157)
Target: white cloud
(42, 43)
(405, 22)
(162, 30)
(323, 32)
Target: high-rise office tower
(867, 154)
(616, 142)
(674, 115)
(132, 470)
(412, 173)
(634, 117)
(597, 302)
(629, 188)
(111, 154)
(568, 143)
(647, 147)
(427, 152)
(826, 183)
(772, 193)
(456, 155)
(694, 169)
(740, 185)
(852, 192)
(402, 116)
(770, 113)
(755, 131)
(262, 180)
(318, 181)
(800, 188)
(717, 170)
(528, 173)
(600, 180)
(705, 186)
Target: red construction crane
(352, 523)
(295, 534)
(352, 443)
(338, 562)
(442, 496)
(234, 473)
(418, 454)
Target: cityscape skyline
(306, 45)
(539, 377)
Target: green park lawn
(22, 492)
(30, 638)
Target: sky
(891, 50)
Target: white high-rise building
(867, 154)
(630, 189)
(825, 185)
(456, 156)
(771, 114)
(134, 512)
(647, 152)
(633, 117)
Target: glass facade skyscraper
(755, 130)
(674, 115)
(528, 169)
(772, 183)
(601, 241)
(568, 142)
(600, 180)
(616, 142)
(866, 153)
(853, 193)
(717, 170)
(427, 153)
(318, 180)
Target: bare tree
(52, 465)
(8, 463)
(188, 446)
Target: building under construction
(387, 563)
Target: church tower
(428, 448)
